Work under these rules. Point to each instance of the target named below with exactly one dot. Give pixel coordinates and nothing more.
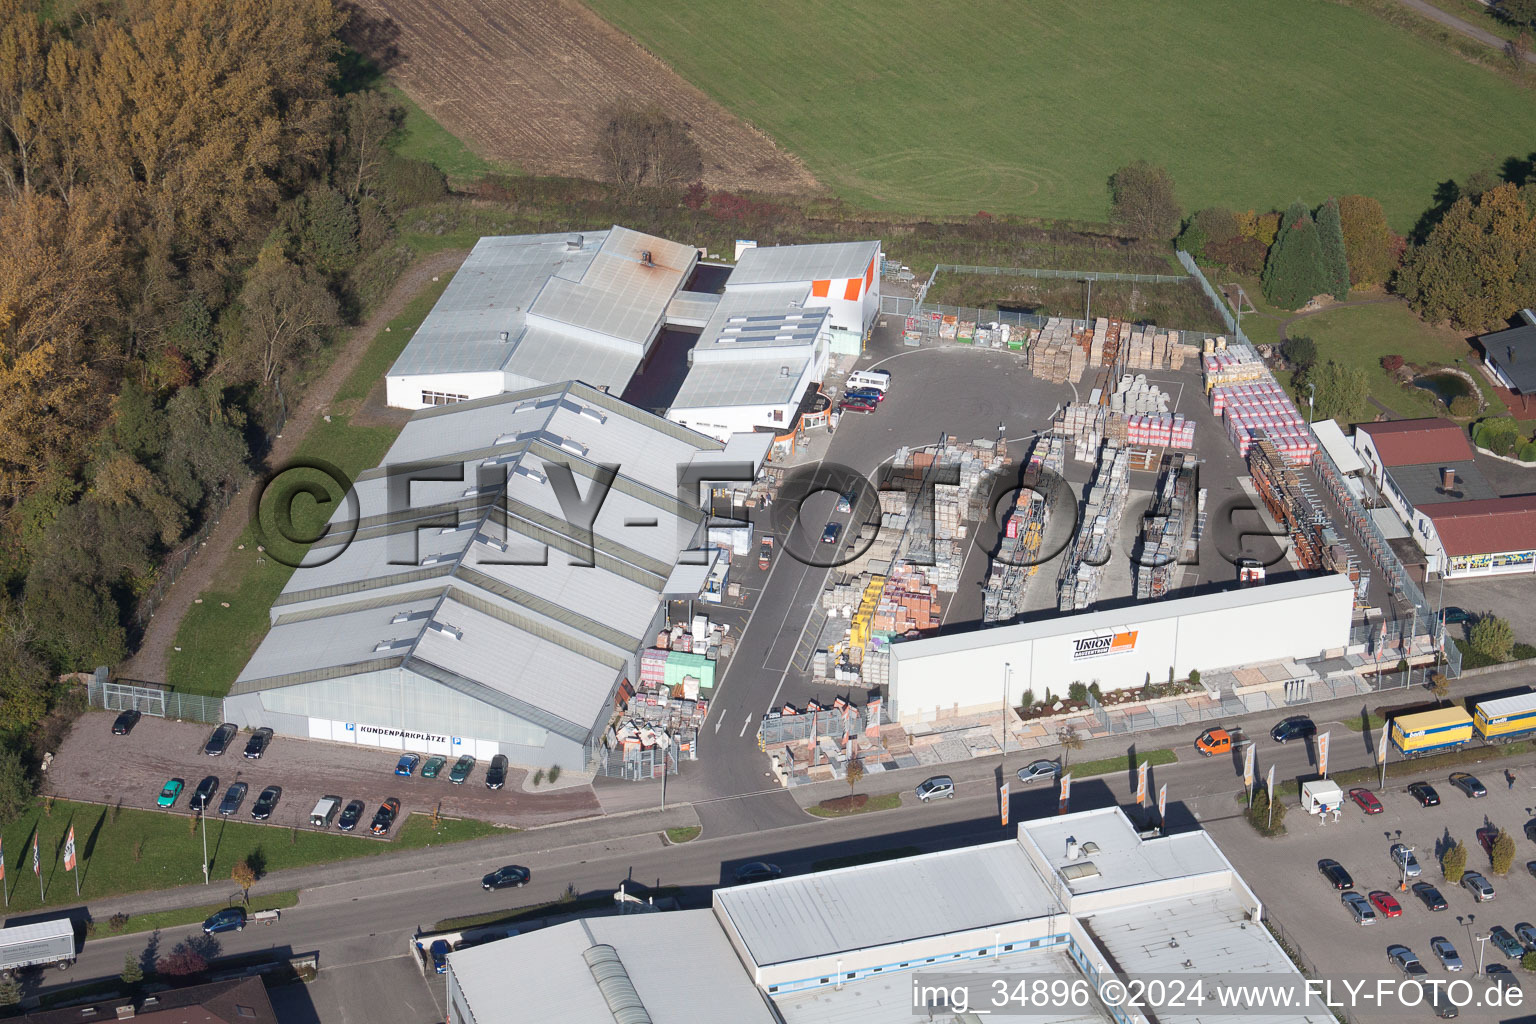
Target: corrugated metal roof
(753, 383)
(1122, 857)
(692, 309)
(619, 294)
(786, 263)
(853, 908)
(678, 962)
(1332, 438)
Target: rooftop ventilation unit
(451, 632)
(492, 542)
(593, 413)
(573, 446)
(1072, 851)
(531, 474)
(523, 407)
(390, 645)
(573, 243)
(505, 336)
(470, 492)
(645, 258)
(406, 617)
(455, 529)
(783, 371)
(438, 559)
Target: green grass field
(136, 850)
(214, 642)
(952, 108)
(421, 137)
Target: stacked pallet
(1231, 366)
(907, 601)
(1060, 354)
(1082, 424)
(1078, 584)
(1133, 395)
(996, 335)
(1263, 407)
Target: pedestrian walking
(1509, 777)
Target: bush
(1492, 638)
(408, 183)
(1503, 853)
(1258, 816)
(1392, 363)
(1463, 406)
(1528, 961)
(1527, 452)
(1027, 701)
(1077, 693)
(1194, 677)
(554, 772)
(1299, 352)
(1453, 863)
(1500, 436)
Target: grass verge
(163, 919)
(842, 807)
(686, 834)
(871, 857)
(1120, 763)
(421, 137)
(127, 851)
(1357, 723)
(219, 633)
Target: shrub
(1077, 693)
(1392, 363)
(1528, 961)
(1500, 435)
(1503, 853)
(538, 777)
(554, 772)
(1299, 352)
(117, 922)
(1492, 638)
(1259, 817)
(1453, 863)
(1527, 452)
(1439, 685)
(1194, 677)
(1463, 406)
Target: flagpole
(4, 883)
(38, 870)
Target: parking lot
(1284, 874)
(94, 765)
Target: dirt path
(1466, 28)
(208, 564)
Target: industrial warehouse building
(529, 310)
(1426, 470)
(471, 615)
(1077, 896)
(965, 672)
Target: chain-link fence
(777, 729)
(154, 699)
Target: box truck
(37, 945)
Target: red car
(1386, 904)
(1486, 836)
(856, 405)
(1366, 799)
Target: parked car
(433, 767)
(856, 405)
(203, 793)
(1404, 960)
(461, 769)
(1478, 886)
(1501, 978)
(496, 772)
(1366, 799)
(1424, 793)
(125, 722)
(219, 739)
(758, 871)
(765, 554)
(170, 792)
(830, 534)
(1526, 933)
(1530, 830)
(266, 803)
(845, 502)
(1358, 906)
(1430, 895)
(385, 816)
(864, 395)
(1486, 837)
(1335, 873)
(932, 789)
(1041, 769)
(234, 796)
(513, 876)
(258, 743)
(1405, 860)
(1468, 784)
(1445, 1008)
(230, 919)
(1507, 943)
(1297, 728)
(1386, 904)
(350, 816)
(1456, 616)
(407, 764)
(1213, 742)
(1442, 948)
(440, 950)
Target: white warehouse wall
(405, 392)
(1292, 619)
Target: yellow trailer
(1505, 719)
(1430, 731)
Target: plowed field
(523, 81)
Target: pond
(1444, 386)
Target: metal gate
(153, 699)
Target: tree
(368, 119)
(1453, 862)
(10, 991)
(329, 241)
(181, 962)
(643, 146)
(1371, 248)
(1142, 201)
(15, 785)
(853, 774)
(1503, 853)
(244, 876)
(1340, 390)
(1299, 352)
(1330, 236)
(1294, 272)
(1516, 12)
(1242, 255)
(1478, 265)
(287, 313)
(1492, 638)
(133, 971)
(1070, 740)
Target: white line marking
(719, 718)
(744, 726)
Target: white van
(877, 379)
(324, 811)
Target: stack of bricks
(1060, 354)
(908, 602)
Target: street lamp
(1007, 674)
(1407, 852)
(1311, 397)
(1482, 943)
(204, 819)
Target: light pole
(1407, 852)
(1311, 397)
(203, 818)
(1088, 313)
(1007, 674)
(1482, 943)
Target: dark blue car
(440, 956)
(407, 764)
(230, 919)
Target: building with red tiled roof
(1497, 535)
(237, 1001)
(1411, 442)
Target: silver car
(1402, 855)
(1358, 906)
(1442, 948)
(1041, 769)
(1526, 933)
(932, 789)
(1478, 886)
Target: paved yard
(1283, 873)
(94, 765)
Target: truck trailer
(1431, 731)
(37, 945)
(1505, 719)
